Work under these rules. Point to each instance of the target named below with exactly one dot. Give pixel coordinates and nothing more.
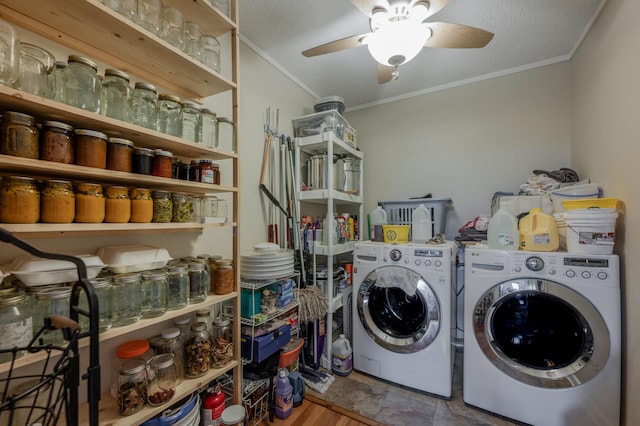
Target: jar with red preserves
(56, 142)
(162, 163)
(206, 171)
(91, 148)
(120, 155)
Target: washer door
(402, 319)
(541, 333)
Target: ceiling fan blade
(336, 45)
(435, 6)
(367, 6)
(444, 34)
(386, 74)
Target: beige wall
(606, 104)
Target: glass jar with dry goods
(91, 148)
(191, 122)
(178, 287)
(57, 202)
(51, 301)
(181, 207)
(222, 352)
(181, 170)
(204, 316)
(116, 95)
(132, 349)
(162, 207)
(142, 161)
(184, 324)
(154, 294)
(141, 205)
(173, 343)
(90, 203)
(19, 135)
(169, 109)
(162, 163)
(102, 287)
(225, 277)
(163, 386)
(117, 205)
(16, 323)
(199, 282)
(127, 299)
(120, 155)
(133, 386)
(209, 128)
(197, 351)
(19, 200)
(226, 135)
(211, 259)
(144, 105)
(56, 142)
(81, 84)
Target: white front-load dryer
(542, 342)
(404, 314)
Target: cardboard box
(260, 348)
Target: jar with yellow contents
(90, 203)
(57, 202)
(117, 204)
(19, 200)
(141, 205)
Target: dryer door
(398, 309)
(541, 333)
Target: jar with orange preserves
(91, 148)
(19, 200)
(117, 205)
(141, 205)
(90, 203)
(57, 202)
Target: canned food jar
(209, 128)
(51, 301)
(57, 202)
(162, 207)
(19, 135)
(169, 110)
(154, 294)
(90, 203)
(56, 142)
(194, 171)
(116, 95)
(120, 155)
(197, 351)
(178, 287)
(163, 386)
(133, 385)
(141, 205)
(81, 84)
(226, 135)
(144, 106)
(199, 282)
(91, 148)
(184, 324)
(191, 122)
(206, 173)
(173, 343)
(142, 161)
(19, 200)
(16, 324)
(127, 299)
(162, 163)
(181, 208)
(216, 173)
(117, 205)
(225, 277)
(180, 170)
(102, 287)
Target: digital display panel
(583, 261)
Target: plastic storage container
(538, 232)
(590, 231)
(377, 218)
(502, 232)
(341, 356)
(421, 229)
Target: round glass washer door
(398, 309)
(541, 333)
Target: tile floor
(392, 404)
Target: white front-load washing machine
(542, 341)
(404, 314)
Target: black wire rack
(51, 393)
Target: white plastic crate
(400, 212)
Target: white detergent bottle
(502, 232)
(421, 231)
(378, 217)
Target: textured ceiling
(528, 33)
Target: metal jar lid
(83, 60)
(101, 282)
(225, 120)
(164, 153)
(93, 133)
(144, 151)
(126, 278)
(116, 73)
(162, 361)
(54, 293)
(58, 125)
(168, 97)
(12, 299)
(198, 326)
(133, 366)
(208, 112)
(145, 86)
(190, 104)
(170, 333)
(121, 141)
(19, 117)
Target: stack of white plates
(266, 261)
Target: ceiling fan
(399, 31)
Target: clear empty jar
(149, 15)
(199, 282)
(154, 294)
(56, 142)
(210, 52)
(173, 27)
(16, 324)
(173, 343)
(178, 287)
(35, 66)
(115, 95)
(57, 202)
(102, 287)
(209, 128)
(127, 299)
(51, 301)
(169, 109)
(56, 83)
(82, 86)
(8, 54)
(192, 34)
(144, 106)
(162, 387)
(191, 122)
(226, 135)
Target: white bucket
(573, 192)
(590, 233)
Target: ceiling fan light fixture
(397, 42)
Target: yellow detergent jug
(538, 231)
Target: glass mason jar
(209, 128)
(141, 205)
(82, 85)
(162, 163)
(117, 205)
(56, 142)
(56, 82)
(162, 207)
(163, 386)
(91, 148)
(204, 316)
(126, 8)
(132, 349)
(225, 277)
(184, 324)
(8, 54)
(206, 173)
(144, 106)
(199, 282)
(173, 343)
(127, 299)
(169, 110)
(115, 101)
(197, 351)
(142, 161)
(192, 34)
(226, 135)
(57, 202)
(210, 52)
(178, 291)
(35, 65)
(102, 287)
(149, 15)
(154, 294)
(221, 338)
(194, 171)
(222, 6)
(19, 135)
(211, 259)
(51, 301)
(19, 200)
(191, 122)
(120, 155)
(173, 27)
(90, 203)
(133, 386)
(16, 324)
(181, 208)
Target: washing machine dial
(552, 271)
(602, 275)
(535, 263)
(395, 255)
(438, 263)
(407, 261)
(517, 269)
(570, 273)
(586, 275)
(417, 262)
(427, 263)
